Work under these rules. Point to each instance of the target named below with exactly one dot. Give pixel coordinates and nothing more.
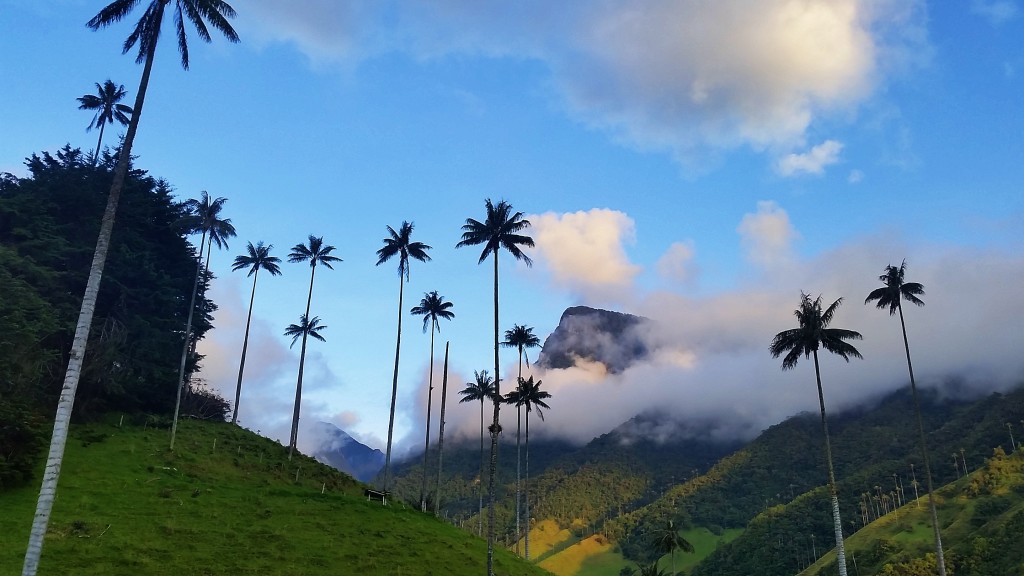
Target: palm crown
(480, 389)
(106, 104)
(529, 395)
(521, 338)
(813, 332)
(432, 307)
(147, 30)
(206, 219)
(896, 290)
(305, 328)
(500, 229)
(399, 244)
(315, 253)
(258, 258)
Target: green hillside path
(226, 501)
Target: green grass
(226, 501)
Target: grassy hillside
(225, 502)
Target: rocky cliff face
(590, 334)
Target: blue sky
(698, 163)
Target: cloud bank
(684, 76)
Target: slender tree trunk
(55, 457)
(293, 440)
(519, 419)
(440, 432)
(245, 346)
(426, 441)
(292, 444)
(838, 523)
(494, 431)
(480, 510)
(526, 486)
(940, 560)
(96, 156)
(394, 386)
(185, 345)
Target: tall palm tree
(315, 252)
(813, 332)
(891, 296)
(431, 307)
(398, 244)
(305, 328)
(258, 258)
(206, 218)
(146, 33)
(106, 103)
(529, 395)
(521, 338)
(668, 540)
(500, 229)
(481, 388)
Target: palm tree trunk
(55, 458)
(188, 339)
(298, 398)
(492, 468)
(96, 156)
(394, 386)
(245, 346)
(519, 419)
(526, 487)
(426, 441)
(940, 561)
(440, 432)
(294, 437)
(837, 521)
(480, 509)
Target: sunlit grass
(225, 502)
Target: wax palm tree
(106, 103)
(521, 338)
(315, 252)
(146, 33)
(398, 244)
(481, 388)
(813, 332)
(431, 307)
(304, 329)
(205, 218)
(891, 296)
(500, 229)
(668, 540)
(528, 395)
(257, 259)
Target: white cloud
(813, 161)
(995, 11)
(713, 366)
(685, 76)
(584, 251)
(855, 176)
(767, 236)
(676, 264)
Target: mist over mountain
(340, 451)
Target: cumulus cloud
(676, 264)
(995, 11)
(767, 236)
(685, 76)
(813, 161)
(584, 251)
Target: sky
(697, 163)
